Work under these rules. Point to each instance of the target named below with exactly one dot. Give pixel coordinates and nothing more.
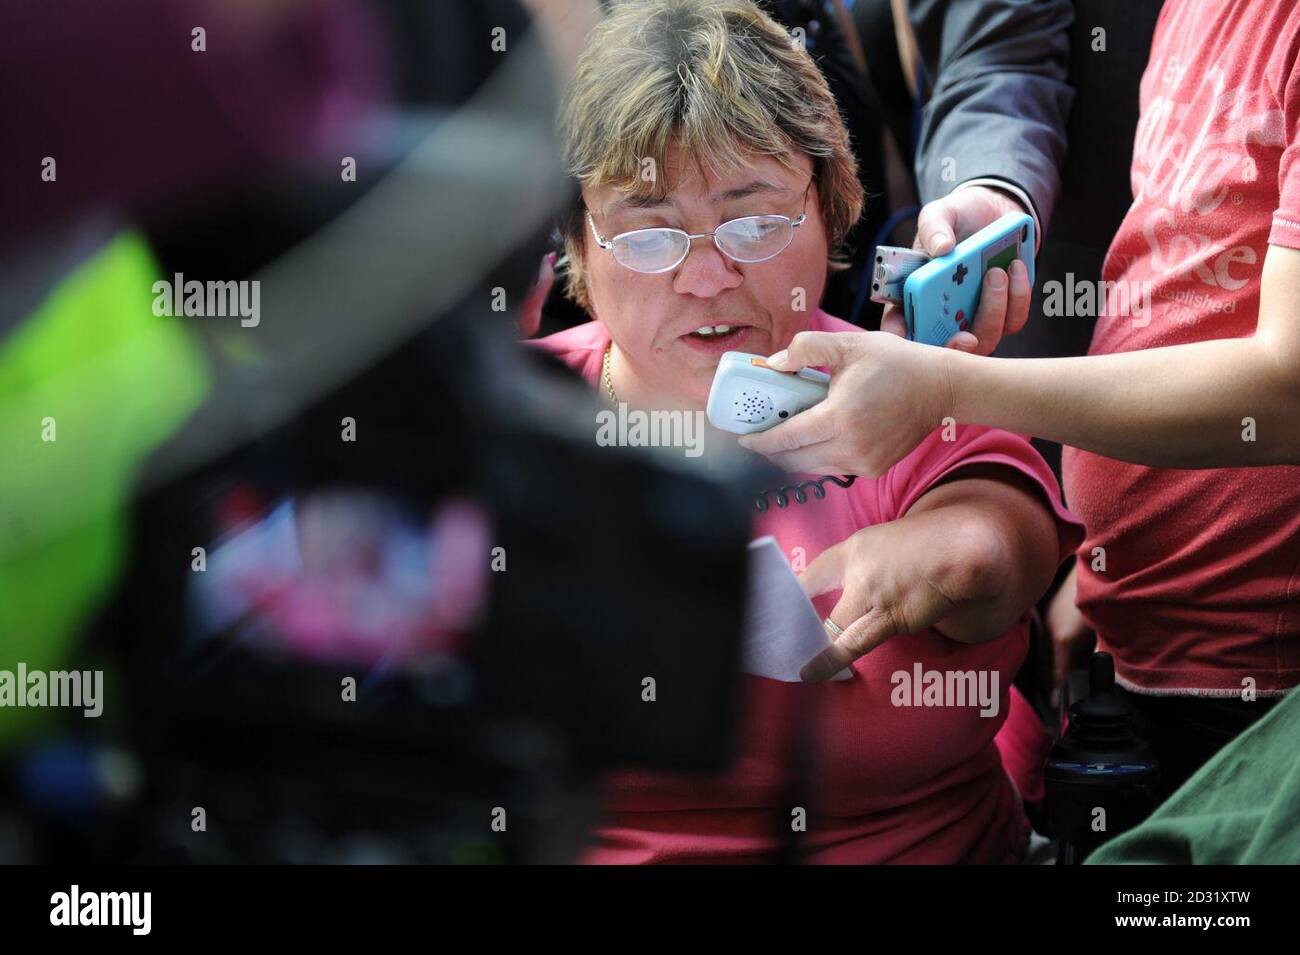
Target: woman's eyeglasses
(748, 239)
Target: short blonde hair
(715, 76)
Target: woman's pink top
(880, 782)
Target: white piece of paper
(782, 629)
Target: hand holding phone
(941, 297)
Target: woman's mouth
(716, 339)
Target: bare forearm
(998, 554)
(1222, 403)
(1207, 404)
(966, 560)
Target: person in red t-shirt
(1191, 572)
(716, 182)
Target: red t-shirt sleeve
(935, 460)
(1286, 219)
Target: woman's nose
(706, 271)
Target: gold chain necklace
(605, 375)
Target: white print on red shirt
(1184, 175)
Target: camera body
(940, 298)
(749, 396)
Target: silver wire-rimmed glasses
(748, 239)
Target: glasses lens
(755, 238)
(650, 250)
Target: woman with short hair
(717, 181)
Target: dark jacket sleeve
(1000, 97)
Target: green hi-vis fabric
(1243, 806)
(90, 383)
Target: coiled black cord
(800, 491)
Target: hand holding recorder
(1005, 292)
(940, 297)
